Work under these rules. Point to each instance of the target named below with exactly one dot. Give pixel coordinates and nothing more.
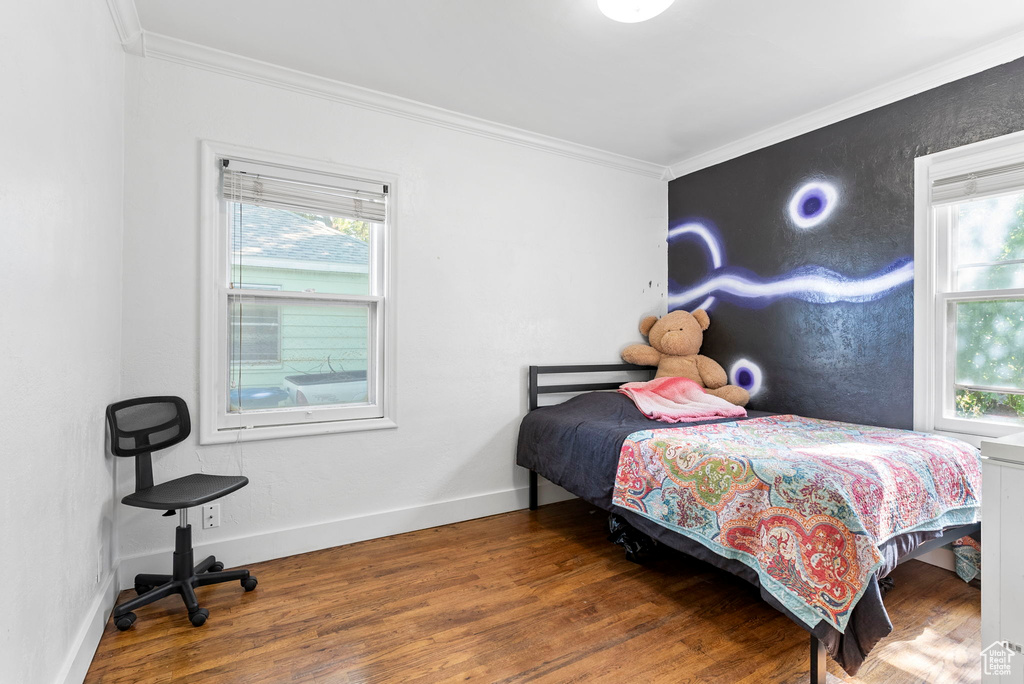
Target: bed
(576, 444)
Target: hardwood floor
(519, 597)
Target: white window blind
(249, 186)
(979, 184)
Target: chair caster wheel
(216, 567)
(125, 621)
(249, 583)
(141, 589)
(199, 617)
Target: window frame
(934, 328)
(216, 424)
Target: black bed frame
(818, 653)
(536, 389)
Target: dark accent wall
(839, 360)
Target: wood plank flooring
(524, 596)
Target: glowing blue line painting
(710, 240)
(810, 205)
(814, 284)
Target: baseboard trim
(291, 541)
(83, 648)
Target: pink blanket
(678, 400)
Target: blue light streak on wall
(714, 250)
(815, 284)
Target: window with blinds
(977, 224)
(300, 280)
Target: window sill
(286, 431)
(973, 440)
(989, 431)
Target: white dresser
(1002, 551)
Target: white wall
(61, 156)
(507, 256)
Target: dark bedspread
(576, 445)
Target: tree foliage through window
(351, 227)
(990, 334)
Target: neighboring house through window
(295, 310)
(969, 289)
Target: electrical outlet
(211, 516)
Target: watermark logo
(997, 659)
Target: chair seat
(185, 492)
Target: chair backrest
(140, 426)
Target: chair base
(183, 581)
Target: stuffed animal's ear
(647, 324)
(702, 317)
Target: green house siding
(312, 338)
(338, 280)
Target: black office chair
(138, 427)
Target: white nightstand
(1002, 549)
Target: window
(969, 290)
(296, 299)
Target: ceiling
(698, 77)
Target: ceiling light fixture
(632, 11)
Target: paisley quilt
(803, 502)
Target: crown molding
(163, 47)
(993, 54)
(129, 28)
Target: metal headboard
(536, 389)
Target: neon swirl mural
(746, 374)
(710, 240)
(812, 203)
(809, 206)
(815, 284)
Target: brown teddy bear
(675, 340)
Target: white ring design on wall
(755, 371)
(829, 196)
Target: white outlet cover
(211, 516)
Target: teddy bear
(675, 340)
